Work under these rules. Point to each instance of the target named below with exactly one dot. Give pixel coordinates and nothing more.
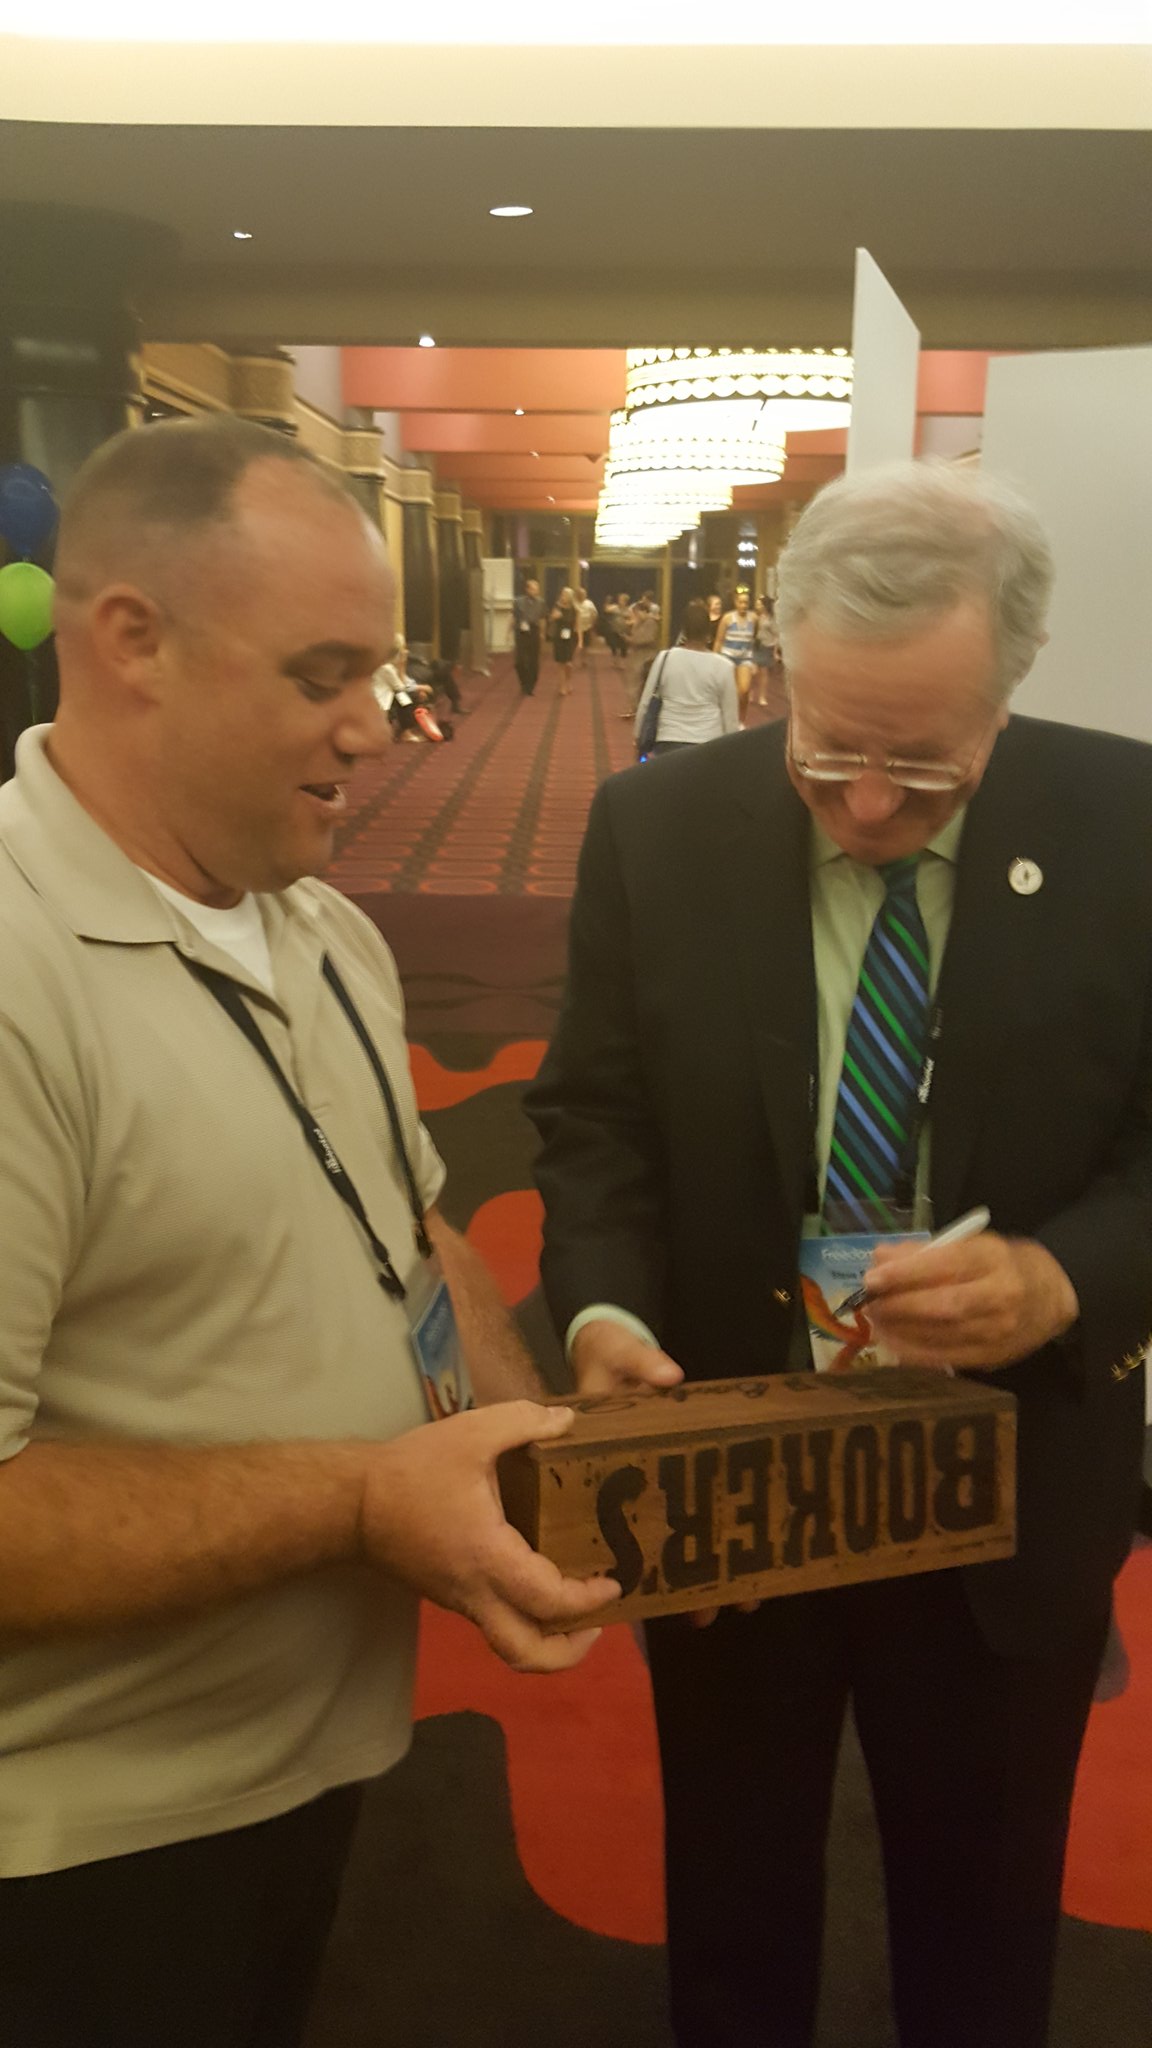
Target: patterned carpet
(500, 810)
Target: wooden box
(724, 1490)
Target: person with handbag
(690, 694)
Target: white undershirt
(239, 931)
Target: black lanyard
(228, 995)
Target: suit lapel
(764, 894)
(1000, 953)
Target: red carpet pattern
(498, 811)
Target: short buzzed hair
(174, 477)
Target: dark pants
(528, 659)
(214, 1943)
(972, 1759)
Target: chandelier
(805, 388)
(698, 421)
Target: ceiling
(375, 234)
(1013, 215)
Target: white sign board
(885, 362)
(499, 591)
(1073, 431)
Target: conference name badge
(436, 1348)
(832, 1273)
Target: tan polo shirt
(178, 1269)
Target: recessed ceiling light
(519, 412)
(535, 454)
(241, 235)
(427, 341)
(509, 212)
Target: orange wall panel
(478, 433)
(826, 441)
(575, 470)
(760, 497)
(952, 380)
(518, 498)
(484, 379)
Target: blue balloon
(28, 510)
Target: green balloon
(25, 604)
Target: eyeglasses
(937, 776)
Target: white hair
(888, 552)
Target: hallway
(500, 810)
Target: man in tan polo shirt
(220, 1494)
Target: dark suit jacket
(675, 1103)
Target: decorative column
(69, 341)
(368, 471)
(770, 540)
(474, 642)
(417, 492)
(392, 527)
(363, 464)
(454, 602)
(669, 629)
(264, 390)
(69, 378)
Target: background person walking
(767, 680)
(586, 618)
(564, 628)
(529, 614)
(643, 640)
(734, 638)
(698, 695)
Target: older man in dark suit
(900, 947)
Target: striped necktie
(883, 1061)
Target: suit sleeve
(1104, 1239)
(600, 1169)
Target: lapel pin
(1025, 877)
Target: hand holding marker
(968, 1225)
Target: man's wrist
(607, 1312)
